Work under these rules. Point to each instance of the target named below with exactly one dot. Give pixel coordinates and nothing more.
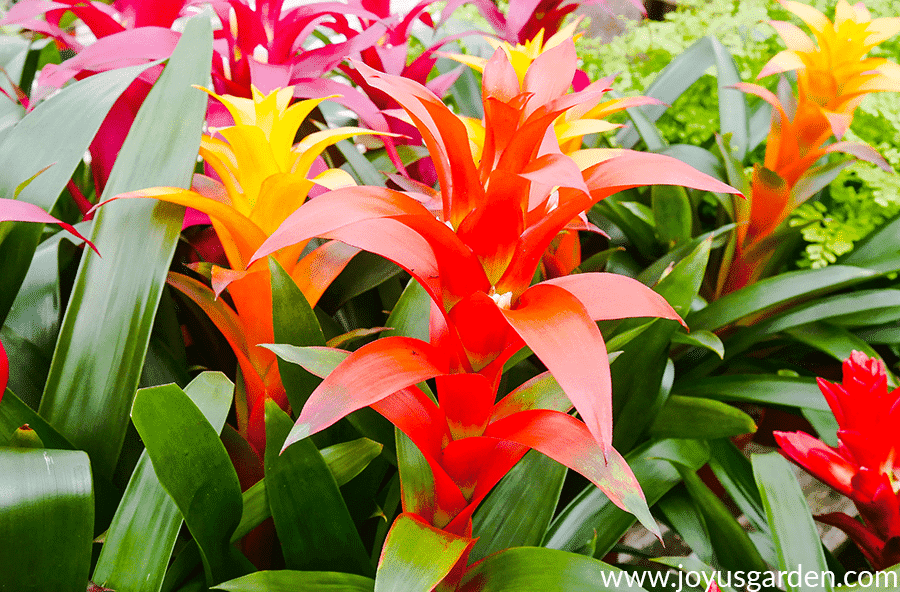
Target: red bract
(475, 252)
(864, 467)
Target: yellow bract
(832, 71)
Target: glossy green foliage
(96, 366)
(194, 469)
(47, 520)
(311, 518)
(139, 542)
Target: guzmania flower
(866, 464)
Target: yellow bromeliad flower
(262, 178)
(832, 71)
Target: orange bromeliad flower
(866, 465)
(833, 72)
(262, 178)
(474, 247)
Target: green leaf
(545, 570)
(140, 539)
(364, 272)
(15, 413)
(702, 338)
(688, 521)
(673, 214)
(96, 366)
(193, 467)
(411, 313)
(654, 272)
(733, 548)
(796, 538)
(518, 510)
(591, 511)
(286, 580)
(733, 470)
(312, 520)
(295, 324)
(691, 417)
(345, 461)
(775, 291)
(787, 391)
(416, 556)
(48, 517)
(879, 245)
(834, 341)
(359, 166)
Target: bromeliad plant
(475, 247)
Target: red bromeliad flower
(475, 247)
(866, 465)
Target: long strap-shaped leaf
(142, 535)
(106, 329)
(55, 135)
(48, 518)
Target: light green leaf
(529, 569)
(285, 580)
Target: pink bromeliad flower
(865, 467)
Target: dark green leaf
(705, 339)
(192, 465)
(757, 388)
(48, 518)
(591, 511)
(733, 548)
(518, 510)
(140, 539)
(688, 521)
(775, 291)
(692, 417)
(312, 520)
(295, 324)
